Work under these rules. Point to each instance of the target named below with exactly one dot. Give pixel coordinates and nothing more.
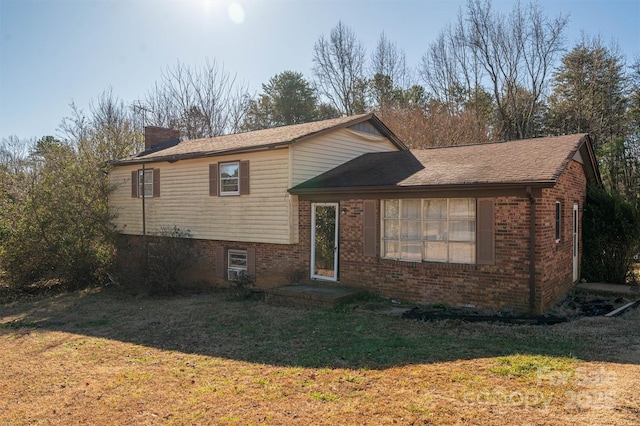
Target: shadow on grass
(211, 324)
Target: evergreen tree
(286, 99)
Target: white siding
(318, 155)
(267, 215)
(262, 216)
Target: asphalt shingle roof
(539, 160)
(251, 140)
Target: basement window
(237, 261)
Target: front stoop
(312, 294)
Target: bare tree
(200, 102)
(517, 52)
(444, 72)
(512, 54)
(339, 70)
(107, 133)
(389, 75)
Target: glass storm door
(324, 241)
(575, 243)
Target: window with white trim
(145, 183)
(237, 264)
(230, 178)
(432, 230)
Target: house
(492, 225)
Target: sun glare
(236, 12)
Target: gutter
(418, 188)
(532, 250)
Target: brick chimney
(154, 135)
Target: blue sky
(53, 52)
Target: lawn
(105, 357)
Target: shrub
(243, 285)
(611, 237)
(170, 253)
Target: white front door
(324, 241)
(576, 269)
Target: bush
(611, 237)
(170, 255)
(243, 285)
(54, 220)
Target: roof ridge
(499, 142)
(270, 129)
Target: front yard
(104, 357)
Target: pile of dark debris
(574, 306)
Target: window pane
(435, 252)
(411, 250)
(391, 249)
(229, 185)
(410, 229)
(462, 208)
(145, 180)
(462, 252)
(462, 230)
(229, 170)
(410, 209)
(391, 228)
(435, 230)
(238, 260)
(435, 209)
(391, 208)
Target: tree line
(488, 76)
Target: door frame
(313, 242)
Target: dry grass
(103, 357)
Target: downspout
(145, 246)
(144, 224)
(532, 250)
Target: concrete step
(312, 294)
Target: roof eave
(422, 188)
(281, 144)
(194, 155)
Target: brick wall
(555, 260)
(504, 285)
(276, 264)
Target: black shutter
(244, 177)
(485, 242)
(156, 182)
(134, 183)
(213, 180)
(251, 262)
(220, 271)
(369, 222)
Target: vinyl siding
(262, 216)
(318, 155)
